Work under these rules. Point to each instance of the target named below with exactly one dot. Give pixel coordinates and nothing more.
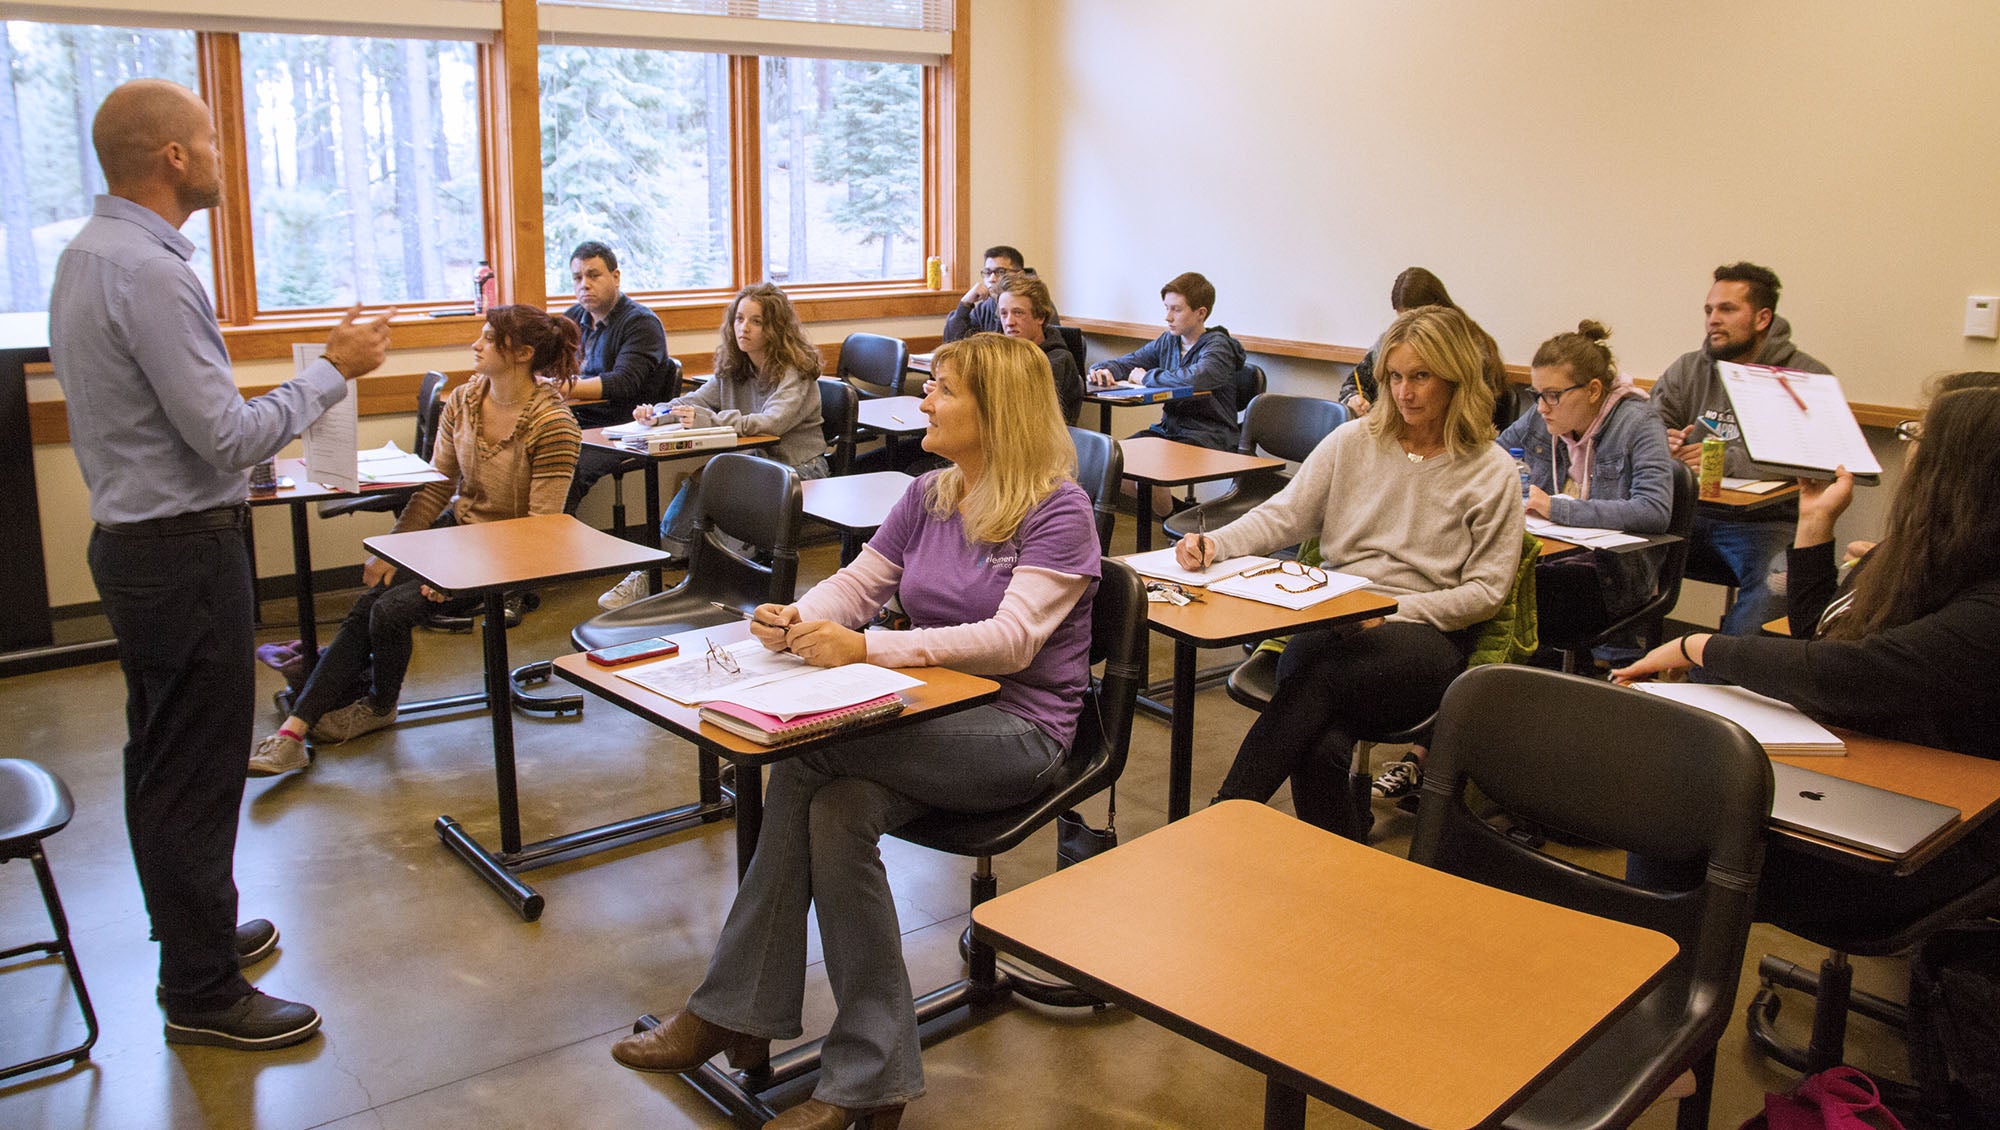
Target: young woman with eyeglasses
(1439, 530)
(1596, 456)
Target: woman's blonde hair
(1449, 344)
(1027, 449)
(787, 351)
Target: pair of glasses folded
(1312, 576)
(1167, 592)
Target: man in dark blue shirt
(625, 360)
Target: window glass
(364, 169)
(57, 74)
(635, 154)
(843, 170)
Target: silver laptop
(1854, 814)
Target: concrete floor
(443, 1009)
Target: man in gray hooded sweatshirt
(1743, 326)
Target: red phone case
(598, 656)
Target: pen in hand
(750, 616)
(1200, 540)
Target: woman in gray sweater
(766, 383)
(1439, 529)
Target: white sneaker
(624, 592)
(279, 753)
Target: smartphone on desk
(632, 652)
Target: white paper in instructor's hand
(330, 440)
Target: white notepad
(1778, 726)
(1797, 423)
(1162, 565)
(1266, 589)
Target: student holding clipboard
(1906, 647)
(1742, 324)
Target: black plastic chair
(1281, 426)
(743, 497)
(1096, 758)
(1100, 464)
(1250, 385)
(1073, 339)
(873, 364)
(1629, 771)
(34, 805)
(430, 410)
(1832, 986)
(1650, 618)
(839, 408)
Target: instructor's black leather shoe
(255, 1023)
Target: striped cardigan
(526, 473)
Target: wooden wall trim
(1869, 415)
(395, 394)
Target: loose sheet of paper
(637, 430)
(1776, 430)
(1593, 536)
(1266, 589)
(391, 464)
(823, 688)
(1777, 726)
(1161, 565)
(330, 440)
(691, 678)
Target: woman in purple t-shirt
(995, 560)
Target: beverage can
(934, 273)
(1714, 453)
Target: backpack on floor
(1954, 1029)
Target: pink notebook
(768, 729)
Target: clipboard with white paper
(1796, 423)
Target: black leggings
(1336, 687)
(377, 629)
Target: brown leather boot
(684, 1041)
(813, 1114)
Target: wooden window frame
(511, 173)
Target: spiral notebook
(769, 729)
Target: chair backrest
(672, 383)
(1073, 338)
(1680, 523)
(1249, 386)
(1100, 464)
(874, 364)
(1103, 731)
(430, 410)
(839, 412)
(752, 500)
(1288, 427)
(1620, 768)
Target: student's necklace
(1416, 457)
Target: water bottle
(484, 287)
(1521, 465)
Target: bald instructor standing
(164, 440)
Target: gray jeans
(823, 814)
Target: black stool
(34, 805)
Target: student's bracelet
(1684, 651)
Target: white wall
(1550, 160)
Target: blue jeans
(1749, 551)
(823, 814)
